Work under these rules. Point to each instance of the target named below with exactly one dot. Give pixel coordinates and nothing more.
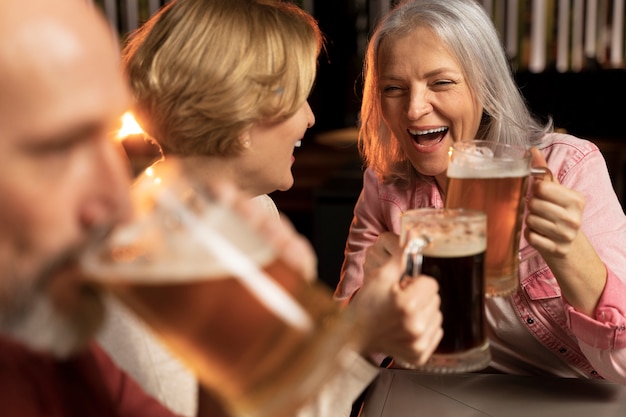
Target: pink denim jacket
(596, 347)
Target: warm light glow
(150, 173)
(129, 126)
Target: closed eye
(392, 90)
(60, 144)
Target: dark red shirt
(87, 385)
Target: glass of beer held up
(493, 177)
(256, 333)
(449, 245)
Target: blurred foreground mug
(493, 177)
(254, 332)
(449, 245)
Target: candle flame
(129, 126)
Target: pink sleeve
(604, 224)
(603, 339)
(367, 224)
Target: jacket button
(562, 350)
(530, 320)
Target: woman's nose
(419, 105)
(310, 115)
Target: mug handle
(541, 173)
(414, 257)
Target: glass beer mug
(449, 245)
(253, 331)
(493, 177)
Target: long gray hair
(468, 32)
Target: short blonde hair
(205, 71)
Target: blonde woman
(223, 85)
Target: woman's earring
(246, 143)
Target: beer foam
(481, 162)
(440, 235)
(182, 234)
(488, 169)
(215, 244)
(146, 252)
(455, 246)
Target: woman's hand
(553, 228)
(554, 215)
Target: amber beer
(255, 332)
(453, 252)
(496, 184)
(238, 347)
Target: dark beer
(461, 287)
(449, 245)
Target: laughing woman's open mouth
(430, 137)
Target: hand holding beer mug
(493, 177)
(449, 245)
(253, 330)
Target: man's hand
(399, 320)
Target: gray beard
(41, 327)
